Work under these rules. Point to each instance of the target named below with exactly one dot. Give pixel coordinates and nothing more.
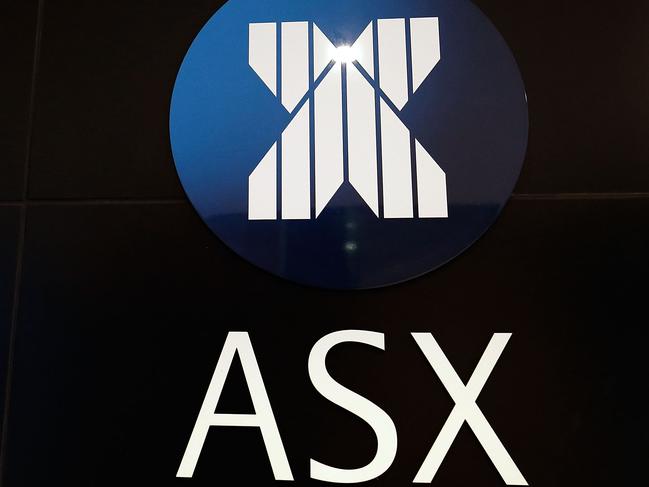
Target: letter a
(237, 342)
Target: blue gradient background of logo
(470, 114)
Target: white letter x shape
(282, 54)
(466, 409)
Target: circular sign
(349, 145)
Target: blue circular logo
(349, 144)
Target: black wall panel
(587, 92)
(17, 38)
(125, 308)
(125, 297)
(9, 229)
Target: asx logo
(349, 145)
(345, 127)
(465, 411)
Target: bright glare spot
(351, 246)
(345, 54)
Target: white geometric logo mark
(345, 106)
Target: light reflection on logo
(346, 145)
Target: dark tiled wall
(17, 48)
(124, 297)
(9, 230)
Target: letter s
(379, 421)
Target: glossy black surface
(17, 37)
(9, 223)
(105, 79)
(124, 307)
(587, 90)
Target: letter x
(466, 409)
(306, 72)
